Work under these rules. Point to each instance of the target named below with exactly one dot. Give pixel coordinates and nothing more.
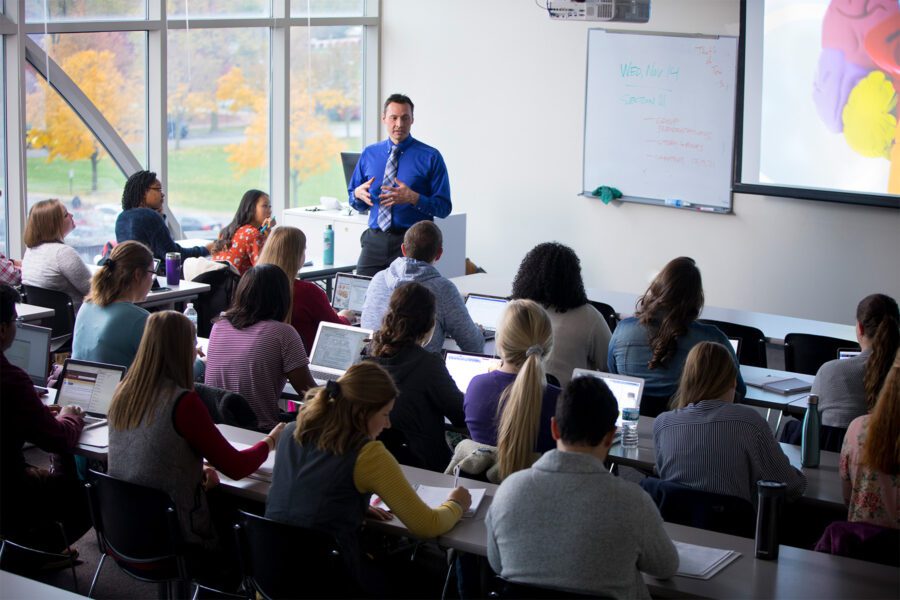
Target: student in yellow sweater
(329, 465)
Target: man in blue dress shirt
(403, 180)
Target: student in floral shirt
(870, 459)
(242, 240)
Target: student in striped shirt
(253, 351)
(711, 444)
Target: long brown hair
(46, 220)
(880, 319)
(881, 448)
(671, 303)
(709, 373)
(524, 338)
(163, 362)
(336, 420)
(283, 249)
(410, 316)
(117, 275)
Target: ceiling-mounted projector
(630, 11)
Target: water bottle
(328, 253)
(809, 449)
(630, 417)
(191, 313)
(173, 268)
(768, 513)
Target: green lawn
(200, 179)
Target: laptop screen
(627, 390)
(348, 162)
(337, 346)
(736, 344)
(463, 367)
(486, 310)
(350, 291)
(30, 351)
(848, 352)
(89, 385)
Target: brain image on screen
(858, 76)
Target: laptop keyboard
(320, 376)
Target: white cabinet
(348, 229)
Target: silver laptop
(350, 292)
(627, 390)
(30, 351)
(843, 353)
(91, 386)
(463, 366)
(486, 311)
(336, 348)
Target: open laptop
(336, 348)
(486, 311)
(736, 344)
(91, 386)
(463, 366)
(30, 351)
(350, 292)
(627, 390)
(843, 353)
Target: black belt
(392, 230)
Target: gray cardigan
(566, 523)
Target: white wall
(499, 90)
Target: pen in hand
(456, 476)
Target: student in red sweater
(32, 499)
(241, 241)
(286, 249)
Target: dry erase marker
(706, 209)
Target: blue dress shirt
(420, 167)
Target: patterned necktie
(390, 178)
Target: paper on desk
(97, 437)
(264, 472)
(434, 496)
(702, 562)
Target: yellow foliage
(232, 87)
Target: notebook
(350, 292)
(486, 312)
(463, 366)
(91, 386)
(336, 348)
(779, 384)
(434, 496)
(627, 390)
(843, 353)
(30, 351)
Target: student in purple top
(253, 351)
(511, 407)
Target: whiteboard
(659, 117)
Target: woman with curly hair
(550, 274)
(427, 392)
(654, 343)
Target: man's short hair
(423, 241)
(398, 99)
(8, 298)
(586, 412)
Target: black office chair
(512, 589)
(608, 312)
(752, 351)
(398, 445)
(27, 561)
(284, 561)
(222, 284)
(695, 508)
(63, 320)
(227, 407)
(137, 527)
(653, 406)
(805, 352)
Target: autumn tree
(55, 126)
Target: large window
(83, 10)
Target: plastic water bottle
(191, 313)
(809, 449)
(328, 253)
(630, 417)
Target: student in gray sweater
(422, 247)
(567, 523)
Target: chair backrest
(653, 406)
(135, 524)
(864, 541)
(63, 320)
(209, 305)
(686, 506)
(511, 589)
(753, 342)
(805, 352)
(398, 445)
(608, 312)
(284, 561)
(228, 408)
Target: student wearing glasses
(48, 262)
(142, 218)
(110, 324)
